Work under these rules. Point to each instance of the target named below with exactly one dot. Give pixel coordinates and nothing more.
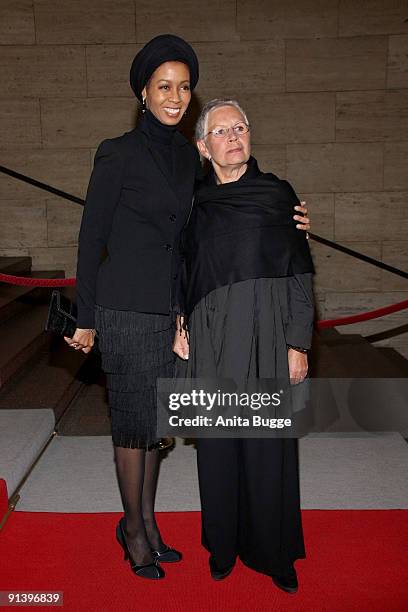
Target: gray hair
(202, 122)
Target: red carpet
(356, 560)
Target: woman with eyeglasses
(250, 312)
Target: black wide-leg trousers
(250, 501)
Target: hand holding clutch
(83, 339)
(62, 320)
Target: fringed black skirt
(136, 349)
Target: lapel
(174, 185)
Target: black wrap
(241, 230)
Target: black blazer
(134, 214)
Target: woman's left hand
(82, 340)
(302, 218)
(180, 343)
(297, 366)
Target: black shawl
(242, 230)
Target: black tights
(137, 471)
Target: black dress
(249, 487)
(136, 347)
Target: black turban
(163, 48)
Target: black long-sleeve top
(138, 200)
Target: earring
(143, 105)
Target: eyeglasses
(238, 129)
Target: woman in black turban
(138, 200)
(163, 48)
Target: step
(21, 337)
(355, 402)
(395, 357)
(355, 357)
(16, 298)
(23, 434)
(15, 265)
(323, 362)
(50, 379)
(88, 413)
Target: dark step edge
(15, 265)
(80, 362)
(342, 339)
(64, 392)
(65, 401)
(87, 375)
(328, 333)
(360, 360)
(18, 360)
(395, 357)
(395, 364)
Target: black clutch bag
(62, 315)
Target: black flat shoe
(218, 573)
(168, 555)
(288, 582)
(153, 571)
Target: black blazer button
(173, 218)
(168, 247)
(175, 276)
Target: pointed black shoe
(153, 571)
(168, 555)
(287, 582)
(218, 573)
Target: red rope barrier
(36, 282)
(64, 282)
(363, 316)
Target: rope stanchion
(36, 282)
(363, 316)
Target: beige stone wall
(324, 82)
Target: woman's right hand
(297, 366)
(83, 339)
